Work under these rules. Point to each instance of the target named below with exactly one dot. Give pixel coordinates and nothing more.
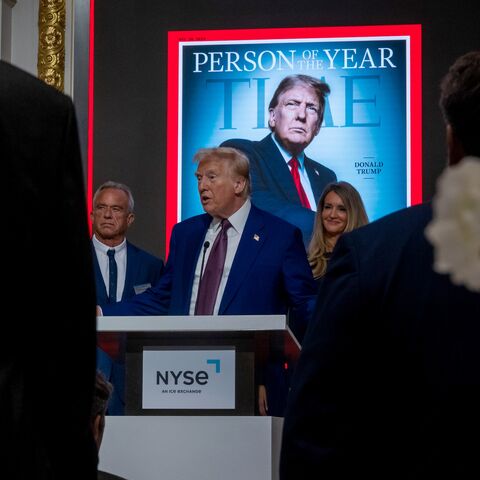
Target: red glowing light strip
(171, 204)
(415, 114)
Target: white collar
(287, 156)
(237, 220)
(105, 248)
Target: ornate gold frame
(51, 42)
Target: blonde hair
(237, 161)
(356, 217)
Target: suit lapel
(316, 177)
(100, 287)
(277, 169)
(130, 274)
(189, 258)
(253, 238)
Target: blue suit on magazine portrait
(268, 272)
(285, 181)
(273, 188)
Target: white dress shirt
(120, 257)
(234, 234)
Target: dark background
(131, 77)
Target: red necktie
(210, 280)
(298, 184)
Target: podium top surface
(190, 323)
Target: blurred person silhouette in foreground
(388, 381)
(47, 355)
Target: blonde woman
(340, 209)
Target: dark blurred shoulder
(108, 476)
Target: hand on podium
(262, 400)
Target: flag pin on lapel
(256, 237)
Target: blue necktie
(112, 276)
(210, 281)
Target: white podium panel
(193, 323)
(191, 447)
(255, 340)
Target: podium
(227, 442)
(249, 338)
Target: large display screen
(220, 83)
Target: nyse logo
(187, 377)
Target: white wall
(25, 35)
(6, 29)
(19, 36)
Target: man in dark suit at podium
(47, 355)
(388, 381)
(285, 181)
(122, 270)
(264, 269)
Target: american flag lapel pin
(256, 237)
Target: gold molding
(51, 42)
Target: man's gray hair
(117, 186)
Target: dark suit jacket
(270, 273)
(272, 185)
(47, 352)
(388, 381)
(108, 476)
(142, 269)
